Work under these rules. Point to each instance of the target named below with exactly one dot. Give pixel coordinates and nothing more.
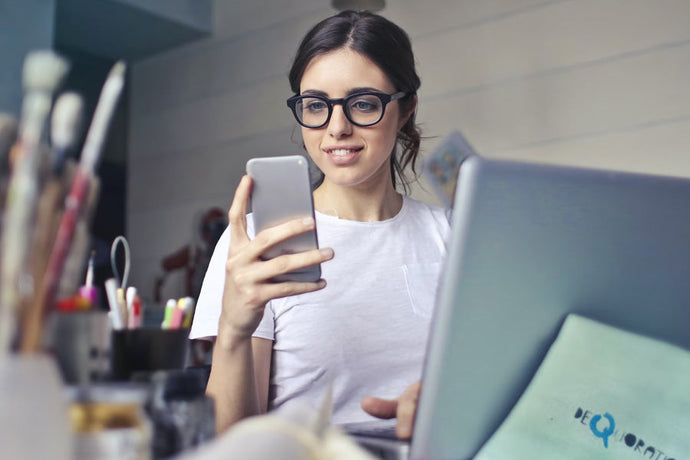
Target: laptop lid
(530, 244)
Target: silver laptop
(381, 442)
(530, 244)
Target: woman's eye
(365, 105)
(315, 106)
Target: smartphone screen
(281, 192)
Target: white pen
(132, 316)
(111, 287)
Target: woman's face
(347, 154)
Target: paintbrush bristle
(119, 68)
(43, 70)
(66, 120)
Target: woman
(365, 331)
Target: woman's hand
(247, 286)
(404, 407)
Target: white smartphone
(281, 192)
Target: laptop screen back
(530, 244)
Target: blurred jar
(108, 422)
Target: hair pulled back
(385, 44)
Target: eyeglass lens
(362, 109)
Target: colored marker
(133, 308)
(177, 315)
(188, 313)
(169, 309)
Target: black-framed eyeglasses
(361, 109)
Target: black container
(183, 415)
(146, 350)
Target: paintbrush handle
(45, 229)
(74, 204)
(13, 249)
(33, 323)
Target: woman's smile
(343, 156)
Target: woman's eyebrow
(316, 92)
(363, 90)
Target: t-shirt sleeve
(209, 304)
(266, 328)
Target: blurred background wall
(24, 26)
(598, 83)
(601, 83)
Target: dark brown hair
(385, 44)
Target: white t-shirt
(367, 330)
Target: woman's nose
(339, 125)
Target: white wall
(601, 83)
(24, 26)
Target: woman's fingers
(269, 269)
(272, 236)
(379, 407)
(407, 409)
(278, 290)
(291, 262)
(403, 408)
(257, 295)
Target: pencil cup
(146, 350)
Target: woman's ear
(408, 112)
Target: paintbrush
(65, 128)
(78, 195)
(42, 74)
(78, 254)
(64, 132)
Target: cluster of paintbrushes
(47, 198)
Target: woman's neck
(364, 203)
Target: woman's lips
(343, 155)
(341, 152)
